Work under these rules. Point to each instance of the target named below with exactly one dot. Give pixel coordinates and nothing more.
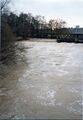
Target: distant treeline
(26, 25)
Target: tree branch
(3, 4)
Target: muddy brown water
(48, 86)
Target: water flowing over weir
(48, 86)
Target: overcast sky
(69, 10)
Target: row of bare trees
(27, 25)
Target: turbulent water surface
(48, 85)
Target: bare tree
(3, 3)
(56, 23)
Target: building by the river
(77, 34)
(72, 35)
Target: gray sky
(69, 10)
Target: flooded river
(47, 85)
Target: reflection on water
(44, 82)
